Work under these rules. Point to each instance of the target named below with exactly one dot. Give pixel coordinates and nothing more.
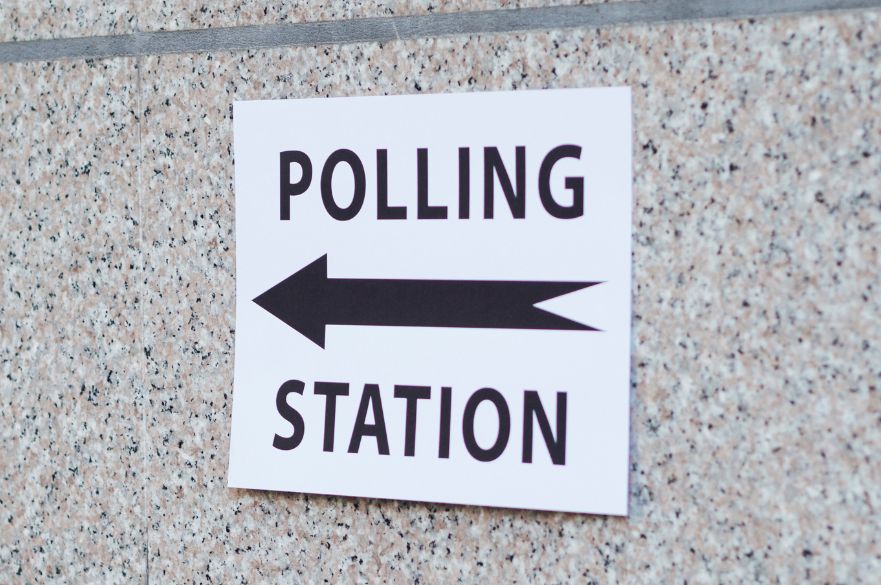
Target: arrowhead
(297, 300)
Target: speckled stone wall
(71, 360)
(27, 19)
(756, 417)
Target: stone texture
(756, 418)
(71, 430)
(24, 20)
(187, 14)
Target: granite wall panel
(71, 365)
(187, 14)
(757, 222)
(25, 20)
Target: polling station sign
(433, 298)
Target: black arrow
(308, 301)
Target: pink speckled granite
(71, 431)
(756, 420)
(24, 20)
(187, 14)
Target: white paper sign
(433, 298)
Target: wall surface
(756, 416)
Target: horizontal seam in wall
(391, 28)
